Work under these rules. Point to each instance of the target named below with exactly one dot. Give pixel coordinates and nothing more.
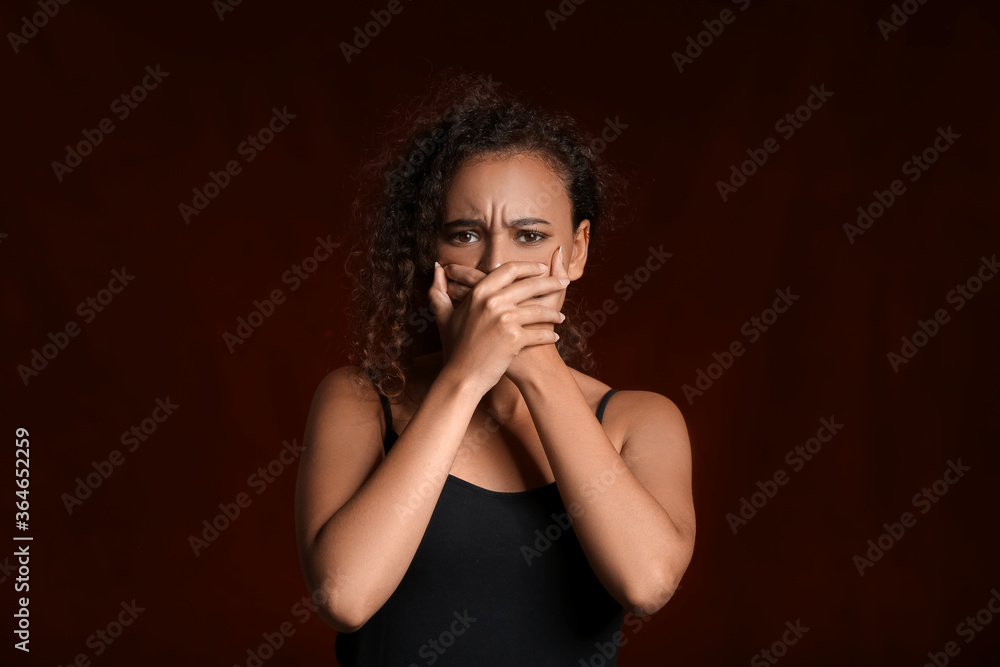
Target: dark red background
(162, 336)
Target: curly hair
(400, 203)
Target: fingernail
(542, 266)
(436, 264)
(562, 316)
(564, 281)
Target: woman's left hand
(461, 280)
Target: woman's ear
(578, 258)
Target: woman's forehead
(518, 186)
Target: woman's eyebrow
(469, 222)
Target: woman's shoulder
(347, 385)
(641, 403)
(353, 375)
(347, 390)
(629, 406)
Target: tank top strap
(388, 440)
(604, 403)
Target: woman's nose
(493, 256)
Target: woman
(485, 502)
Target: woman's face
(499, 210)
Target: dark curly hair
(400, 202)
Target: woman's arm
(359, 519)
(632, 512)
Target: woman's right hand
(481, 335)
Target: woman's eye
(537, 237)
(460, 237)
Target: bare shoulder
(642, 411)
(350, 378)
(632, 410)
(346, 389)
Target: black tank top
(499, 579)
